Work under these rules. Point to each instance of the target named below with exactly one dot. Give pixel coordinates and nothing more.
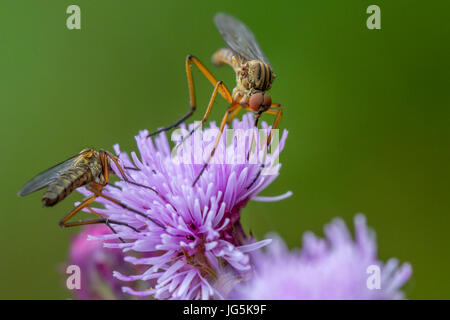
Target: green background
(367, 113)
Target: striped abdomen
(66, 183)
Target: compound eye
(256, 101)
(267, 100)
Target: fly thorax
(242, 77)
(260, 75)
(96, 169)
(243, 83)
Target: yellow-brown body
(252, 76)
(88, 168)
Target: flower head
(189, 234)
(333, 268)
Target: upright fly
(254, 76)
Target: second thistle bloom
(336, 267)
(188, 235)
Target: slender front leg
(277, 110)
(114, 159)
(125, 178)
(192, 100)
(216, 143)
(219, 85)
(234, 114)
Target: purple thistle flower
(331, 268)
(189, 235)
(97, 265)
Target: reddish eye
(256, 101)
(267, 100)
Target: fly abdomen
(65, 184)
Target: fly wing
(43, 179)
(239, 37)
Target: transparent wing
(239, 38)
(43, 179)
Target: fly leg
(107, 154)
(219, 85)
(97, 221)
(277, 110)
(234, 114)
(216, 143)
(192, 100)
(106, 222)
(85, 204)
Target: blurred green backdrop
(367, 113)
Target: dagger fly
(254, 76)
(89, 168)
